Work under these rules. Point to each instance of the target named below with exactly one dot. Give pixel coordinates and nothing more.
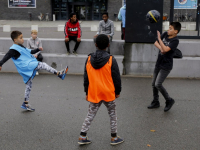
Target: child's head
(34, 34)
(17, 37)
(174, 28)
(102, 41)
(105, 16)
(72, 17)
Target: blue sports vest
(26, 63)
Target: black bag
(178, 54)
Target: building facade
(85, 9)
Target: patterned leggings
(41, 66)
(93, 108)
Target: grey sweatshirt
(106, 27)
(34, 44)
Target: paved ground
(61, 109)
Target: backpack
(178, 54)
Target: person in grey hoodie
(33, 43)
(122, 17)
(106, 26)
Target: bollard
(6, 28)
(61, 27)
(34, 27)
(54, 17)
(93, 28)
(118, 28)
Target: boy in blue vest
(27, 65)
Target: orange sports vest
(101, 86)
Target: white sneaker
(37, 73)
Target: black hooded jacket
(98, 60)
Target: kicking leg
(61, 74)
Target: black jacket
(98, 60)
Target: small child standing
(33, 43)
(102, 84)
(27, 65)
(167, 44)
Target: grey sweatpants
(93, 108)
(41, 66)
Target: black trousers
(159, 77)
(40, 57)
(72, 38)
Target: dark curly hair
(102, 41)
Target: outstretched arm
(11, 53)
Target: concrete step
(140, 60)
(190, 48)
(87, 46)
(187, 67)
(59, 61)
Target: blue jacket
(26, 63)
(122, 15)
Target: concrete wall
(57, 46)
(135, 60)
(43, 6)
(55, 54)
(140, 59)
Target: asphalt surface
(61, 109)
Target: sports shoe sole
(80, 143)
(116, 143)
(27, 108)
(153, 107)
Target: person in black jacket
(102, 85)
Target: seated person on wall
(72, 31)
(33, 43)
(106, 26)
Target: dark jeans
(40, 57)
(159, 77)
(72, 38)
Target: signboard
(185, 4)
(21, 3)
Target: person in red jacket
(72, 31)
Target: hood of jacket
(124, 7)
(99, 59)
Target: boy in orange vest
(102, 84)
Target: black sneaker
(154, 104)
(169, 105)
